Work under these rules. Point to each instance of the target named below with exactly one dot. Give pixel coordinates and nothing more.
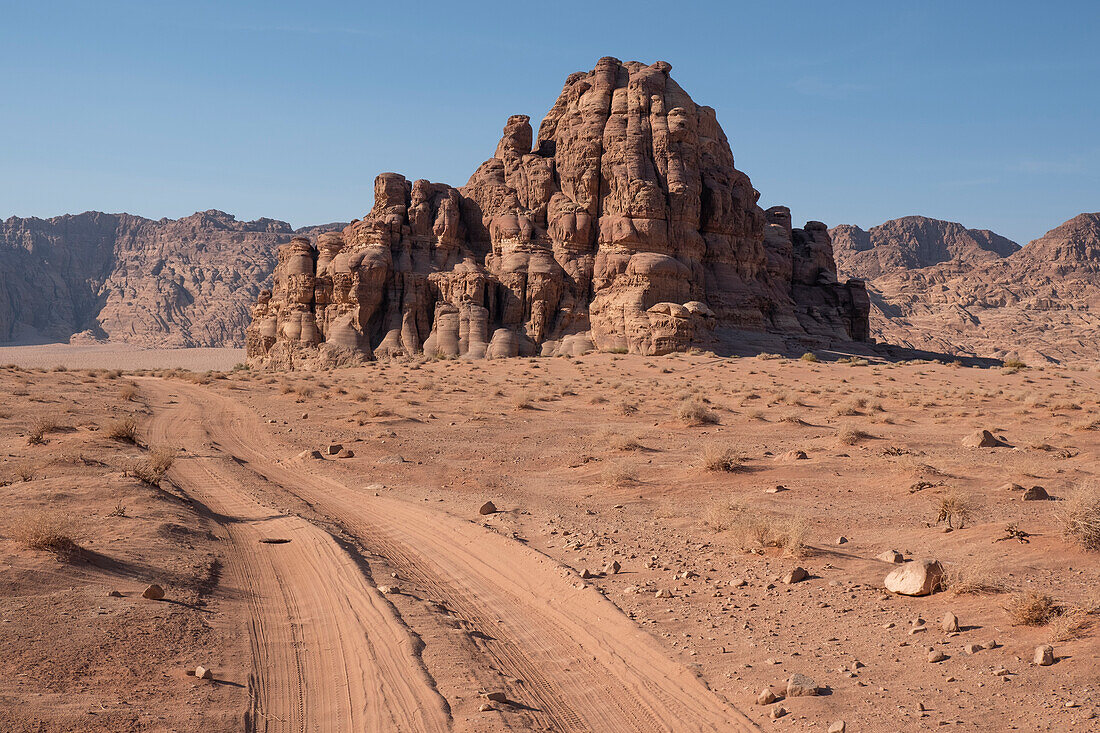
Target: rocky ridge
(623, 225)
(167, 283)
(1040, 302)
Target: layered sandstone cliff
(623, 225)
(172, 282)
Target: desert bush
(45, 530)
(521, 403)
(161, 458)
(124, 429)
(810, 357)
(617, 474)
(1075, 620)
(755, 528)
(696, 413)
(975, 577)
(627, 408)
(40, 426)
(128, 392)
(954, 509)
(1014, 363)
(1032, 608)
(286, 388)
(597, 400)
(764, 356)
(852, 436)
(718, 458)
(618, 441)
(1081, 516)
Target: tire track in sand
(585, 665)
(328, 651)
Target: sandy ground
(366, 592)
(119, 356)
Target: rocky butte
(623, 225)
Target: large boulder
(917, 578)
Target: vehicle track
(581, 664)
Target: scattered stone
(153, 592)
(487, 508)
(1044, 655)
(346, 453)
(333, 449)
(586, 574)
(778, 712)
(936, 655)
(664, 593)
(891, 556)
(842, 540)
(204, 673)
(496, 696)
(766, 697)
(796, 575)
(1036, 493)
(309, 455)
(1012, 487)
(799, 685)
(114, 594)
(918, 578)
(775, 489)
(991, 644)
(950, 622)
(389, 590)
(973, 648)
(983, 439)
(305, 416)
(485, 707)
(612, 567)
(838, 727)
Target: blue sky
(981, 112)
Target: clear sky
(986, 113)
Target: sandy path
(579, 662)
(328, 651)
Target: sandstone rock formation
(185, 282)
(623, 225)
(1040, 303)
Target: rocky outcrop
(185, 282)
(622, 225)
(910, 243)
(1040, 303)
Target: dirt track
(329, 651)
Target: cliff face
(185, 282)
(1041, 302)
(910, 243)
(622, 225)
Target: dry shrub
(521, 403)
(286, 388)
(618, 441)
(45, 530)
(1081, 516)
(1075, 620)
(954, 509)
(617, 474)
(756, 528)
(975, 577)
(1033, 608)
(852, 436)
(160, 459)
(304, 390)
(39, 427)
(26, 471)
(128, 392)
(124, 429)
(1014, 363)
(718, 458)
(597, 400)
(810, 357)
(696, 413)
(627, 408)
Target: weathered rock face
(185, 282)
(622, 225)
(1039, 303)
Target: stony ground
(685, 470)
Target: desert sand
(648, 513)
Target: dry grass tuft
(977, 577)
(1081, 516)
(718, 458)
(128, 392)
(852, 436)
(954, 509)
(617, 475)
(696, 413)
(810, 357)
(124, 429)
(756, 528)
(45, 530)
(1033, 608)
(618, 441)
(39, 427)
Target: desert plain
(329, 558)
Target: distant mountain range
(938, 286)
(934, 285)
(172, 282)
